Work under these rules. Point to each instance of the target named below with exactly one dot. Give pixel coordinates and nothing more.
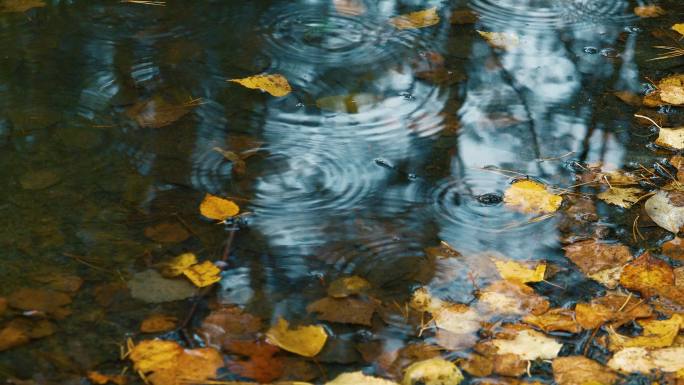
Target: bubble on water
(610, 52)
(632, 29)
(590, 50)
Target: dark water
(360, 187)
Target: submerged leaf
(623, 197)
(645, 360)
(579, 370)
(214, 207)
(20, 5)
(501, 40)
(529, 345)
(433, 371)
(166, 232)
(516, 271)
(596, 258)
(275, 84)
(346, 286)
(306, 341)
(158, 112)
(531, 197)
(344, 310)
(158, 323)
(150, 286)
(419, 19)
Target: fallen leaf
(221, 326)
(629, 98)
(433, 371)
(501, 40)
(214, 207)
(152, 355)
(511, 298)
(59, 281)
(203, 274)
(665, 211)
(593, 257)
(20, 5)
(656, 334)
(623, 197)
(679, 28)
(158, 323)
(645, 360)
(179, 264)
(529, 345)
(3, 306)
(518, 272)
(239, 165)
(510, 365)
(150, 286)
(671, 138)
(167, 363)
(418, 19)
(39, 179)
(275, 84)
(12, 336)
(579, 370)
(646, 11)
(358, 378)
(346, 286)
(261, 364)
(555, 320)
(344, 310)
(463, 16)
(46, 301)
(615, 309)
(672, 94)
(673, 249)
(157, 112)
(531, 197)
(477, 365)
(101, 379)
(349, 7)
(306, 341)
(647, 275)
(167, 232)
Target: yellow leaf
(167, 363)
(178, 265)
(157, 323)
(346, 286)
(306, 341)
(623, 197)
(274, 84)
(433, 371)
(528, 196)
(101, 379)
(419, 19)
(646, 11)
(203, 274)
(672, 138)
(529, 345)
(656, 334)
(152, 355)
(515, 271)
(500, 39)
(679, 28)
(358, 378)
(214, 207)
(673, 94)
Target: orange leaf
(214, 207)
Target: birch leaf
(528, 196)
(433, 371)
(306, 341)
(214, 207)
(671, 138)
(275, 84)
(529, 345)
(623, 197)
(414, 20)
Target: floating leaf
(598, 260)
(512, 298)
(358, 378)
(555, 320)
(679, 28)
(214, 207)
(179, 264)
(645, 360)
(646, 11)
(306, 341)
(673, 249)
(672, 94)
(261, 364)
(666, 210)
(672, 138)
(647, 275)
(529, 345)
(433, 371)
(500, 40)
(346, 286)
(345, 310)
(623, 197)
(613, 308)
(419, 19)
(531, 197)
(579, 370)
(167, 232)
(516, 271)
(274, 84)
(656, 334)
(167, 363)
(203, 274)
(158, 323)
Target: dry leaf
(518, 272)
(101, 379)
(511, 298)
(45, 301)
(656, 334)
(158, 323)
(500, 40)
(623, 197)
(671, 138)
(645, 360)
(593, 257)
(672, 94)
(345, 310)
(167, 363)
(529, 345)
(613, 308)
(167, 232)
(306, 341)
(555, 320)
(346, 286)
(647, 275)
(530, 197)
(477, 365)
(349, 7)
(679, 28)
(203, 274)
(179, 264)
(463, 16)
(664, 210)
(261, 364)
(157, 112)
(673, 249)
(358, 378)
(274, 84)
(225, 324)
(433, 371)
(646, 11)
(419, 19)
(579, 370)
(214, 207)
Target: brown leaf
(579, 370)
(463, 16)
(505, 297)
(11, 337)
(261, 364)
(346, 286)
(629, 98)
(477, 365)
(647, 275)
(509, 365)
(20, 331)
(167, 232)
(646, 11)
(158, 323)
(228, 323)
(559, 319)
(60, 281)
(592, 256)
(3, 306)
(157, 112)
(102, 379)
(615, 309)
(345, 310)
(46, 301)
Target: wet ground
(390, 142)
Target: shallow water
(385, 147)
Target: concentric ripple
(550, 13)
